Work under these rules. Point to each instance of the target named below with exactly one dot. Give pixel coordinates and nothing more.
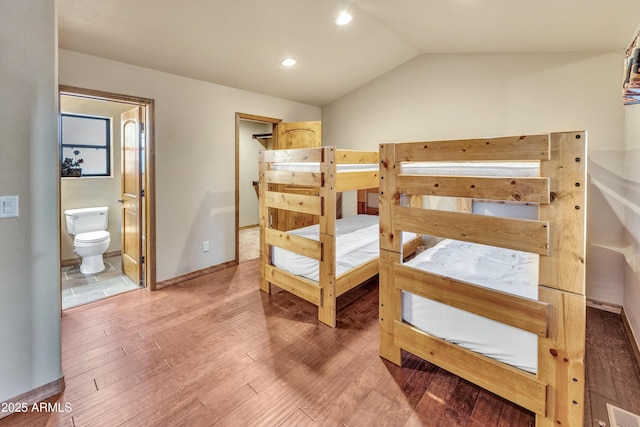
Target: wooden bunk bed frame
(556, 393)
(328, 182)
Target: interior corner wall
(631, 303)
(194, 134)
(30, 355)
(443, 96)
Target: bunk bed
(324, 248)
(541, 313)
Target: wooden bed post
(327, 274)
(390, 304)
(562, 282)
(263, 213)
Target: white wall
(194, 153)
(249, 170)
(464, 96)
(632, 220)
(29, 244)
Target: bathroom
(103, 189)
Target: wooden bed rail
(556, 393)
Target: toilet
(89, 226)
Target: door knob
(121, 200)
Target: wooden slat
(390, 307)
(518, 234)
(299, 286)
(356, 180)
(533, 190)
(561, 358)
(389, 199)
(292, 202)
(312, 179)
(513, 384)
(564, 268)
(327, 281)
(293, 155)
(356, 157)
(522, 313)
(327, 273)
(355, 276)
(517, 148)
(300, 245)
(263, 214)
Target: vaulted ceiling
(239, 43)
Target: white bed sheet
(516, 169)
(357, 242)
(510, 271)
(315, 167)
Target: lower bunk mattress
(357, 242)
(501, 269)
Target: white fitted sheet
(506, 270)
(516, 169)
(357, 242)
(315, 167)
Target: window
(86, 145)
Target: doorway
(253, 134)
(125, 185)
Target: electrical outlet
(205, 246)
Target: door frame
(149, 200)
(249, 117)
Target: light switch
(8, 206)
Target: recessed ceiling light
(344, 18)
(288, 62)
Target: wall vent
(621, 418)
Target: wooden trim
(532, 190)
(150, 173)
(310, 179)
(36, 395)
(353, 157)
(297, 285)
(564, 267)
(516, 148)
(523, 313)
(74, 261)
(605, 306)
(298, 244)
(194, 274)
(294, 155)
(517, 234)
(511, 383)
(635, 344)
(293, 202)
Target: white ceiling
(239, 43)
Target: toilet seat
(92, 237)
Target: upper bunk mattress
(501, 269)
(357, 242)
(515, 169)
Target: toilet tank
(85, 220)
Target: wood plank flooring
(217, 351)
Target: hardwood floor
(217, 351)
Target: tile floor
(78, 288)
